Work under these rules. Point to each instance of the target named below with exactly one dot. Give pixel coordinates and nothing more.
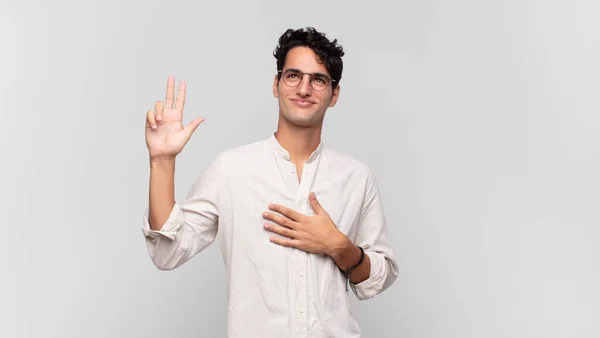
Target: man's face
(303, 105)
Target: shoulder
(229, 161)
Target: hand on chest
(338, 197)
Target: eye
(292, 75)
(320, 79)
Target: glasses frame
(311, 75)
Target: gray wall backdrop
(479, 118)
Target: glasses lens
(292, 77)
(319, 82)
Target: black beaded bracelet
(349, 271)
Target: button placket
(302, 283)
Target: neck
(300, 142)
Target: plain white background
(480, 120)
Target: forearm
(162, 191)
(345, 255)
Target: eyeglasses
(292, 77)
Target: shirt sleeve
(372, 235)
(192, 224)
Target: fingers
(290, 243)
(150, 120)
(180, 103)
(287, 212)
(280, 230)
(170, 93)
(315, 203)
(159, 108)
(190, 128)
(286, 222)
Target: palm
(169, 136)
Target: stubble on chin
(302, 115)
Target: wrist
(162, 160)
(341, 247)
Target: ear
(334, 96)
(275, 94)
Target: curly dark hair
(328, 52)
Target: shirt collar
(281, 151)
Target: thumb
(190, 128)
(315, 204)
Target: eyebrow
(317, 73)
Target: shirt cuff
(169, 229)
(371, 286)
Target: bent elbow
(384, 273)
(166, 256)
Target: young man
(297, 222)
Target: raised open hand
(165, 134)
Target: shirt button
(301, 274)
(301, 310)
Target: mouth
(303, 102)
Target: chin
(303, 119)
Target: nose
(304, 89)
